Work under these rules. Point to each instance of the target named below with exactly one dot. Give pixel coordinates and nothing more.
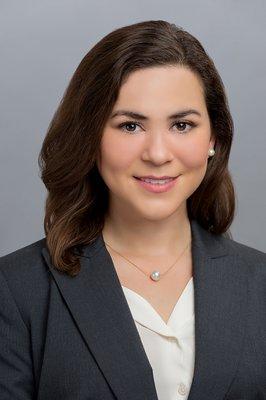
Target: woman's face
(155, 144)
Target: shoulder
(255, 259)
(25, 261)
(241, 248)
(25, 277)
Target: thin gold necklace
(155, 275)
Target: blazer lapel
(97, 303)
(220, 300)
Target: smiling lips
(155, 177)
(157, 185)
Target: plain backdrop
(42, 43)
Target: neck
(149, 238)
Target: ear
(212, 142)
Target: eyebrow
(132, 114)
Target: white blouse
(170, 347)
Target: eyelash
(192, 125)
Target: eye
(133, 124)
(127, 123)
(182, 123)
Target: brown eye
(129, 126)
(126, 124)
(184, 124)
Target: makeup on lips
(157, 185)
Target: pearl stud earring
(211, 152)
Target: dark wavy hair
(77, 200)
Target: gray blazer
(75, 338)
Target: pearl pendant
(155, 275)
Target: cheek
(116, 155)
(194, 154)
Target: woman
(139, 205)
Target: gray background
(42, 43)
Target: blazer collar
(97, 303)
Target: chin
(157, 213)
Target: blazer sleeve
(16, 369)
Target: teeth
(157, 181)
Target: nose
(157, 148)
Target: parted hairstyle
(77, 200)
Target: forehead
(161, 87)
